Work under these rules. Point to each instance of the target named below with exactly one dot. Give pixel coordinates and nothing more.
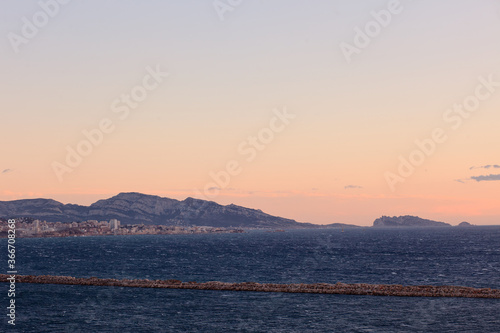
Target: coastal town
(29, 227)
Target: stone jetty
(314, 288)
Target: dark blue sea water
(441, 256)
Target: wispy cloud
(489, 166)
(486, 178)
(7, 171)
(352, 186)
(213, 188)
(481, 178)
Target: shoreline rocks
(315, 288)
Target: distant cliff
(137, 208)
(407, 221)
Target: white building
(114, 224)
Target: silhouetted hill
(136, 208)
(340, 225)
(465, 224)
(407, 221)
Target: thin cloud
(489, 166)
(214, 188)
(482, 178)
(352, 187)
(486, 178)
(7, 171)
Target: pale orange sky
(226, 81)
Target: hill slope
(135, 208)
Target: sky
(323, 112)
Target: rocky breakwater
(315, 288)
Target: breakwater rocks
(315, 288)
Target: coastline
(42, 235)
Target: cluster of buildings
(36, 228)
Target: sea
(468, 256)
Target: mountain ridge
(137, 208)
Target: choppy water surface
(458, 256)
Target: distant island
(407, 221)
(465, 224)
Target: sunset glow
(262, 108)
